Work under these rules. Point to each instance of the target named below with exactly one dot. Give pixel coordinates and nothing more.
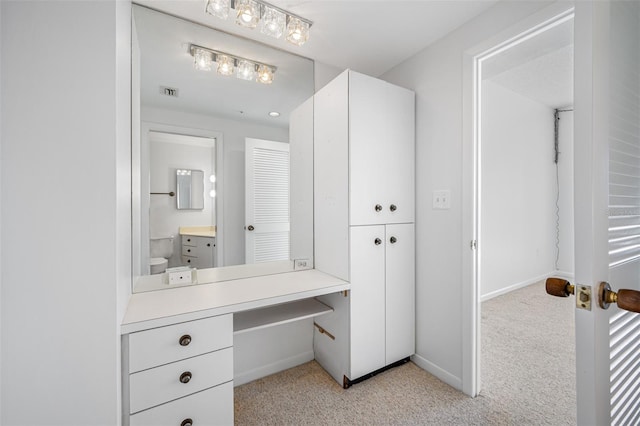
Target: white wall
(437, 78)
(234, 134)
(65, 215)
(518, 191)
(164, 217)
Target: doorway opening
(523, 209)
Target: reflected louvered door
(624, 208)
(266, 201)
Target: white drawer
(189, 240)
(156, 386)
(210, 407)
(151, 348)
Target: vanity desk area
(177, 344)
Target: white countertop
(165, 307)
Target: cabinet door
(381, 151)
(400, 292)
(367, 300)
(204, 251)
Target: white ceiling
(367, 36)
(540, 68)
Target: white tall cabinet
(364, 212)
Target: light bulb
(297, 31)
(202, 59)
(212, 193)
(226, 64)
(246, 70)
(219, 8)
(265, 74)
(212, 178)
(247, 13)
(273, 22)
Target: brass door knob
(185, 340)
(629, 300)
(559, 287)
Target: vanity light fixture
(245, 69)
(273, 21)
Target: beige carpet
(528, 363)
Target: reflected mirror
(195, 127)
(190, 193)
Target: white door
(266, 201)
(367, 277)
(400, 291)
(607, 206)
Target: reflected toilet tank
(161, 249)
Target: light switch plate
(442, 199)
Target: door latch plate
(583, 297)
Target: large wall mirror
(249, 143)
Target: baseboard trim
(441, 374)
(517, 286)
(269, 369)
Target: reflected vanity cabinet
(364, 207)
(180, 374)
(198, 251)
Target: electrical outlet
(300, 264)
(184, 276)
(442, 199)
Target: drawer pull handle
(393, 240)
(378, 208)
(377, 241)
(208, 244)
(188, 250)
(185, 377)
(185, 340)
(393, 207)
(187, 422)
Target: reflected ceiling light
(202, 59)
(247, 69)
(272, 19)
(274, 114)
(265, 74)
(226, 64)
(219, 8)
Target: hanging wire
(556, 157)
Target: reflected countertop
(198, 231)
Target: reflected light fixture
(272, 20)
(228, 64)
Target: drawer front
(210, 407)
(190, 261)
(189, 250)
(156, 386)
(189, 240)
(151, 348)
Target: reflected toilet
(161, 249)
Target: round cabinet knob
(188, 240)
(393, 207)
(187, 422)
(188, 250)
(208, 244)
(185, 377)
(188, 260)
(250, 228)
(393, 240)
(378, 208)
(377, 241)
(185, 340)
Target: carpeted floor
(528, 378)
